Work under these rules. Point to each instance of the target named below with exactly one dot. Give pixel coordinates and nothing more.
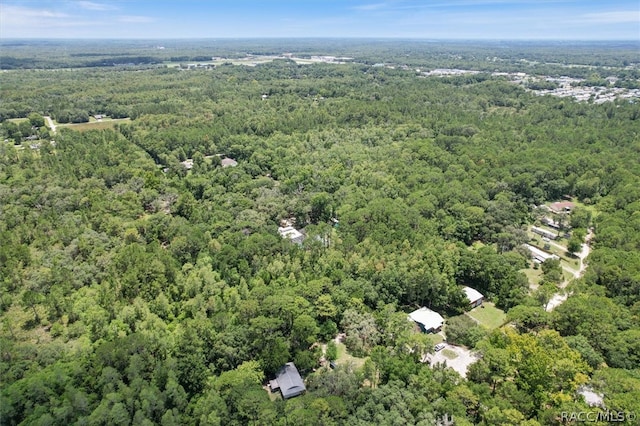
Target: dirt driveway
(463, 358)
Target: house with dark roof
(288, 381)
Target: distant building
(562, 207)
(538, 255)
(428, 320)
(188, 163)
(550, 222)
(543, 232)
(291, 233)
(474, 297)
(228, 162)
(288, 381)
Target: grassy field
(93, 124)
(17, 120)
(566, 258)
(345, 358)
(489, 317)
(567, 275)
(533, 275)
(448, 353)
(435, 338)
(591, 208)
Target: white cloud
(371, 6)
(19, 14)
(131, 19)
(616, 17)
(19, 21)
(89, 5)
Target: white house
(428, 320)
(474, 297)
(540, 256)
(291, 233)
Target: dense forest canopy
(144, 280)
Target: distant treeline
(11, 63)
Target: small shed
(288, 381)
(474, 297)
(428, 320)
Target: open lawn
(449, 354)
(557, 247)
(533, 275)
(435, 338)
(345, 358)
(488, 315)
(94, 124)
(567, 275)
(589, 207)
(17, 120)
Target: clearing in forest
(488, 316)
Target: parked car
(439, 347)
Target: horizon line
(368, 38)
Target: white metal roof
(289, 232)
(472, 294)
(428, 318)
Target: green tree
(574, 245)
(331, 353)
(462, 330)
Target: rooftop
(289, 381)
(228, 162)
(472, 294)
(430, 320)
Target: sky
(419, 19)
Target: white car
(439, 347)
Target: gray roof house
(289, 382)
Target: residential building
(543, 232)
(228, 162)
(428, 320)
(291, 233)
(474, 297)
(288, 381)
(562, 207)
